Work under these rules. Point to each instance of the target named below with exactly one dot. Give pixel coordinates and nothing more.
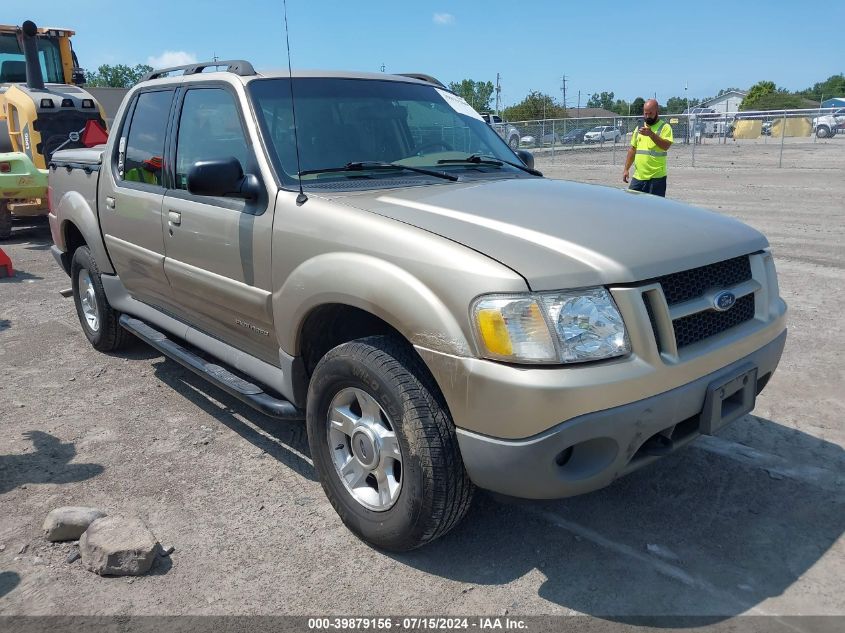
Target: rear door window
(144, 151)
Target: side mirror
(222, 177)
(526, 157)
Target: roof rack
(426, 78)
(240, 67)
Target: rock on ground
(118, 546)
(68, 523)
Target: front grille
(695, 327)
(693, 283)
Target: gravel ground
(749, 522)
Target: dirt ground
(749, 522)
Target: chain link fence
(709, 139)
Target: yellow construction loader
(42, 109)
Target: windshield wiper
(484, 159)
(367, 165)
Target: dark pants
(655, 186)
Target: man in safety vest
(649, 145)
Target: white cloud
(444, 18)
(171, 58)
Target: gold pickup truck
(363, 251)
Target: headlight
(555, 327)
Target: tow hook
(657, 446)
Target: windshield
(350, 121)
(13, 64)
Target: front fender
(371, 284)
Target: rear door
(130, 197)
(217, 250)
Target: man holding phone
(649, 145)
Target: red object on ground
(6, 264)
(94, 134)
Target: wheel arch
(372, 285)
(77, 220)
(335, 298)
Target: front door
(217, 249)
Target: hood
(559, 234)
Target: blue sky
(633, 49)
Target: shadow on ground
(8, 581)
(282, 440)
(35, 229)
(49, 463)
(19, 277)
(696, 534)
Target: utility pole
(578, 111)
(563, 81)
(498, 93)
(214, 57)
(382, 67)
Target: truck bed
(76, 170)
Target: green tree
(476, 93)
(621, 107)
(833, 86)
(783, 101)
(637, 106)
(756, 92)
(536, 105)
(118, 76)
(601, 100)
(677, 105)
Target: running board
(219, 376)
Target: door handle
(110, 202)
(174, 217)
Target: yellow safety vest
(139, 174)
(649, 159)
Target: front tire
(100, 322)
(5, 221)
(514, 143)
(384, 445)
(823, 131)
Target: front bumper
(590, 451)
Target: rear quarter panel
(73, 180)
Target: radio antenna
(301, 198)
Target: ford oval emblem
(724, 301)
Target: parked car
(602, 133)
(574, 136)
(504, 129)
(549, 138)
(441, 315)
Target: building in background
(728, 102)
(835, 102)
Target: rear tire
(514, 143)
(100, 322)
(5, 221)
(427, 490)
